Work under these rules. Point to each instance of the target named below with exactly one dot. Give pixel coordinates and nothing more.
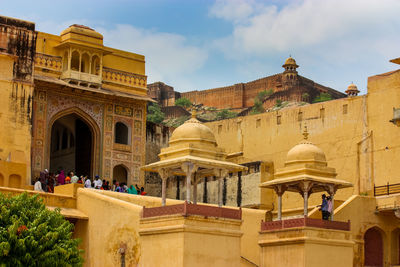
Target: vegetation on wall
(258, 101)
(155, 114)
(183, 102)
(322, 98)
(31, 235)
(176, 122)
(225, 114)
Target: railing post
(374, 190)
(388, 188)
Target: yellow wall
(190, 241)
(15, 136)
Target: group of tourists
(326, 207)
(47, 181)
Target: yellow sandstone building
(69, 102)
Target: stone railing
(124, 78)
(48, 62)
(49, 199)
(305, 221)
(187, 209)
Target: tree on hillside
(225, 114)
(155, 114)
(183, 102)
(31, 235)
(258, 101)
(322, 98)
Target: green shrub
(31, 235)
(322, 98)
(155, 114)
(183, 102)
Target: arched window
(95, 65)
(85, 63)
(65, 61)
(120, 174)
(121, 133)
(75, 61)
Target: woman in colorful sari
(132, 190)
(61, 178)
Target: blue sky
(201, 44)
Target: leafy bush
(278, 102)
(183, 102)
(31, 235)
(226, 114)
(155, 114)
(322, 98)
(257, 108)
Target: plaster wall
(112, 223)
(269, 136)
(190, 241)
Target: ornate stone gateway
(87, 116)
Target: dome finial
(305, 133)
(194, 113)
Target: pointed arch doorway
(73, 143)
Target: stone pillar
(306, 188)
(279, 190)
(220, 174)
(332, 191)
(194, 188)
(164, 174)
(189, 168)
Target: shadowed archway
(73, 143)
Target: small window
(219, 129)
(322, 113)
(345, 109)
(278, 119)
(121, 133)
(258, 123)
(300, 116)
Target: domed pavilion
(306, 171)
(192, 152)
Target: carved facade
(87, 112)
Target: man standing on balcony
(324, 208)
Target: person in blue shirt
(324, 208)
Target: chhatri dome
(352, 90)
(290, 62)
(192, 131)
(192, 152)
(305, 152)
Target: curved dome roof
(305, 152)
(352, 87)
(290, 61)
(193, 130)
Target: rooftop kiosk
(189, 234)
(305, 241)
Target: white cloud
(331, 39)
(169, 57)
(307, 23)
(233, 10)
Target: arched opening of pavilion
(71, 147)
